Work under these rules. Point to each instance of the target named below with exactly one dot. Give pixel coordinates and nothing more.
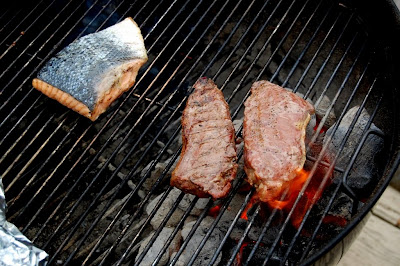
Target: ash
(152, 221)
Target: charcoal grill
(81, 190)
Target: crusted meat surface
(207, 164)
(274, 126)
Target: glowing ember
(331, 219)
(214, 211)
(323, 129)
(310, 196)
(253, 200)
(294, 189)
(289, 196)
(239, 256)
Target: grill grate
(79, 190)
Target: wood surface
(379, 241)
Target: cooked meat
(207, 164)
(93, 71)
(274, 126)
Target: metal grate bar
(319, 159)
(196, 225)
(9, 20)
(186, 76)
(30, 44)
(246, 231)
(233, 223)
(43, 164)
(82, 31)
(311, 87)
(303, 52)
(19, 157)
(319, 50)
(317, 132)
(365, 134)
(286, 35)
(164, 222)
(321, 123)
(221, 89)
(162, 176)
(81, 157)
(259, 53)
(285, 82)
(20, 137)
(299, 36)
(215, 255)
(118, 139)
(19, 121)
(39, 65)
(26, 30)
(175, 91)
(323, 151)
(158, 103)
(244, 35)
(178, 86)
(139, 137)
(33, 157)
(133, 192)
(4, 14)
(329, 205)
(177, 228)
(242, 102)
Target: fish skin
(91, 65)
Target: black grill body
(81, 190)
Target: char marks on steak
(207, 164)
(274, 126)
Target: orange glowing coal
(287, 198)
(214, 211)
(293, 191)
(248, 207)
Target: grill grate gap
(82, 190)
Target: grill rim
(389, 19)
(378, 192)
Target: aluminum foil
(15, 248)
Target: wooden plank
(388, 206)
(379, 241)
(377, 244)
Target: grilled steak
(208, 160)
(93, 71)
(274, 130)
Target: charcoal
(155, 173)
(158, 244)
(198, 207)
(310, 129)
(365, 169)
(164, 209)
(209, 248)
(322, 109)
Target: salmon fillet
(207, 164)
(274, 127)
(93, 71)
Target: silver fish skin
(93, 64)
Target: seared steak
(274, 126)
(207, 164)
